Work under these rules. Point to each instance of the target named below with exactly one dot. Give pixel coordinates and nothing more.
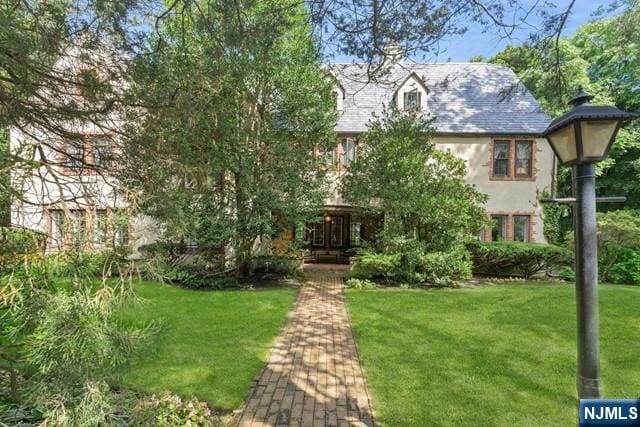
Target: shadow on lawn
(462, 364)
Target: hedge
(515, 258)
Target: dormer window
(411, 94)
(412, 100)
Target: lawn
(495, 355)
(211, 344)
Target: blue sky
(475, 42)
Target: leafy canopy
(420, 188)
(236, 105)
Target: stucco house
(483, 114)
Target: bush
(626, 269)
(169, 410)
(204, 268)
(567, 273)
(413, 266)
(104, 263)
(370, 265)
(18, 244)
(444, 268)
(354, 283)
(513, 258)
(618, 246)
(280, 265)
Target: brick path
(313, 377)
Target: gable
(410, 87)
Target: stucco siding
(505, 196)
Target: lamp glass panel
(564, 143)
(596, 136)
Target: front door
(336, 232)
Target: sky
(475, 42)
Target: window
(120, 229)
(501, 158)
(101, 149)
(100, 227)
(499, 230)
(355, 232)
(348, 151)
(77, 228)
(521, 228)
(56, 234)
(318, 234)
(412, 100)
(336, 231)
(74, 154)
(523, 158)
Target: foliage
(601, 57)
(86, 264)
(18, 245)
(5, 179)
(400, 172)
(73, 348)
(354, 283)
(413, 266)
(619, 246)
(626, 269)
(169, 410)
(567, 273)
(205, 268)
(65, 344)
(515, 258)
(369, 265)
(555, 216)
(236, 115)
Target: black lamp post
(580, 138)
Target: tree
(420, 189)
(601, 58)
(236, 107)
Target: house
(483, 114)
(65, 186)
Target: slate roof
(474, 98)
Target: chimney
(393, 53)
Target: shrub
(413, 266)
(281, 265)
(103, 263)
(513, 258)
(354, 283)
(203, 267)
(567, 273)
(444, 268)
(370, 265)
(618, 246)
(169, 410)
(626, 268)
(17, 245)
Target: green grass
(211, 344)
(495, 355)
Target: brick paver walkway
(313, 377)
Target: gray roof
(473, 98)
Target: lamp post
(580, 138)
